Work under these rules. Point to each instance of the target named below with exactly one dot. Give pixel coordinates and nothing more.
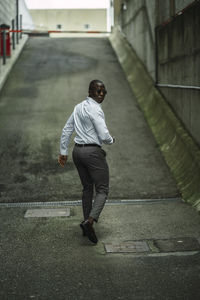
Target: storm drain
(178, 245)
(127, 247)
(47, 213)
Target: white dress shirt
(88, 121)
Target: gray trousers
(93, 172)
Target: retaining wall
(178, 63)
(179, 150)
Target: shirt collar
(92, 100)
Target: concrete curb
(179, 149)
(5, 69)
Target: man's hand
(62, 159)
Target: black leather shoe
(89, 231)
(84, 234)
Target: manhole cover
(47, 212)
(177, 245)
(127, 247)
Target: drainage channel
(158, 247)
(79, 202)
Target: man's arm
(99, 123)
(65, 139)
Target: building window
(87, 26)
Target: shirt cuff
(63, 152)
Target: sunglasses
(99, 91)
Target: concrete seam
(79, 202)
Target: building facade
(70, 19)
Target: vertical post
(156, 39)
(0, 47)
(20, 26)
(13, 34)
(112, 14)
(157, 12)
(4, 46)
(172, 8)
(156, 54)
(17, 20)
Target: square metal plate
(47, 212)
(178, 244)
(127, 247)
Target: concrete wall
(179, 64)
(169, 8)
(178, 49)
(181, 4)
(137, 20)
(8, 12)
(179, 150)
(171, 30)
(70, 19)
(27, 22)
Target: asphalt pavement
(49, 79)
(153, 236)
(48, 258)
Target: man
(88, 121)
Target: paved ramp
(51, 76)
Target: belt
(87, 145)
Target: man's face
(98, 92)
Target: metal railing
(178, 86)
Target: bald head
(94, 83)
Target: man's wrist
(63, 153)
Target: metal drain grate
(127, 247)
(47, 212)
(177, 245)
